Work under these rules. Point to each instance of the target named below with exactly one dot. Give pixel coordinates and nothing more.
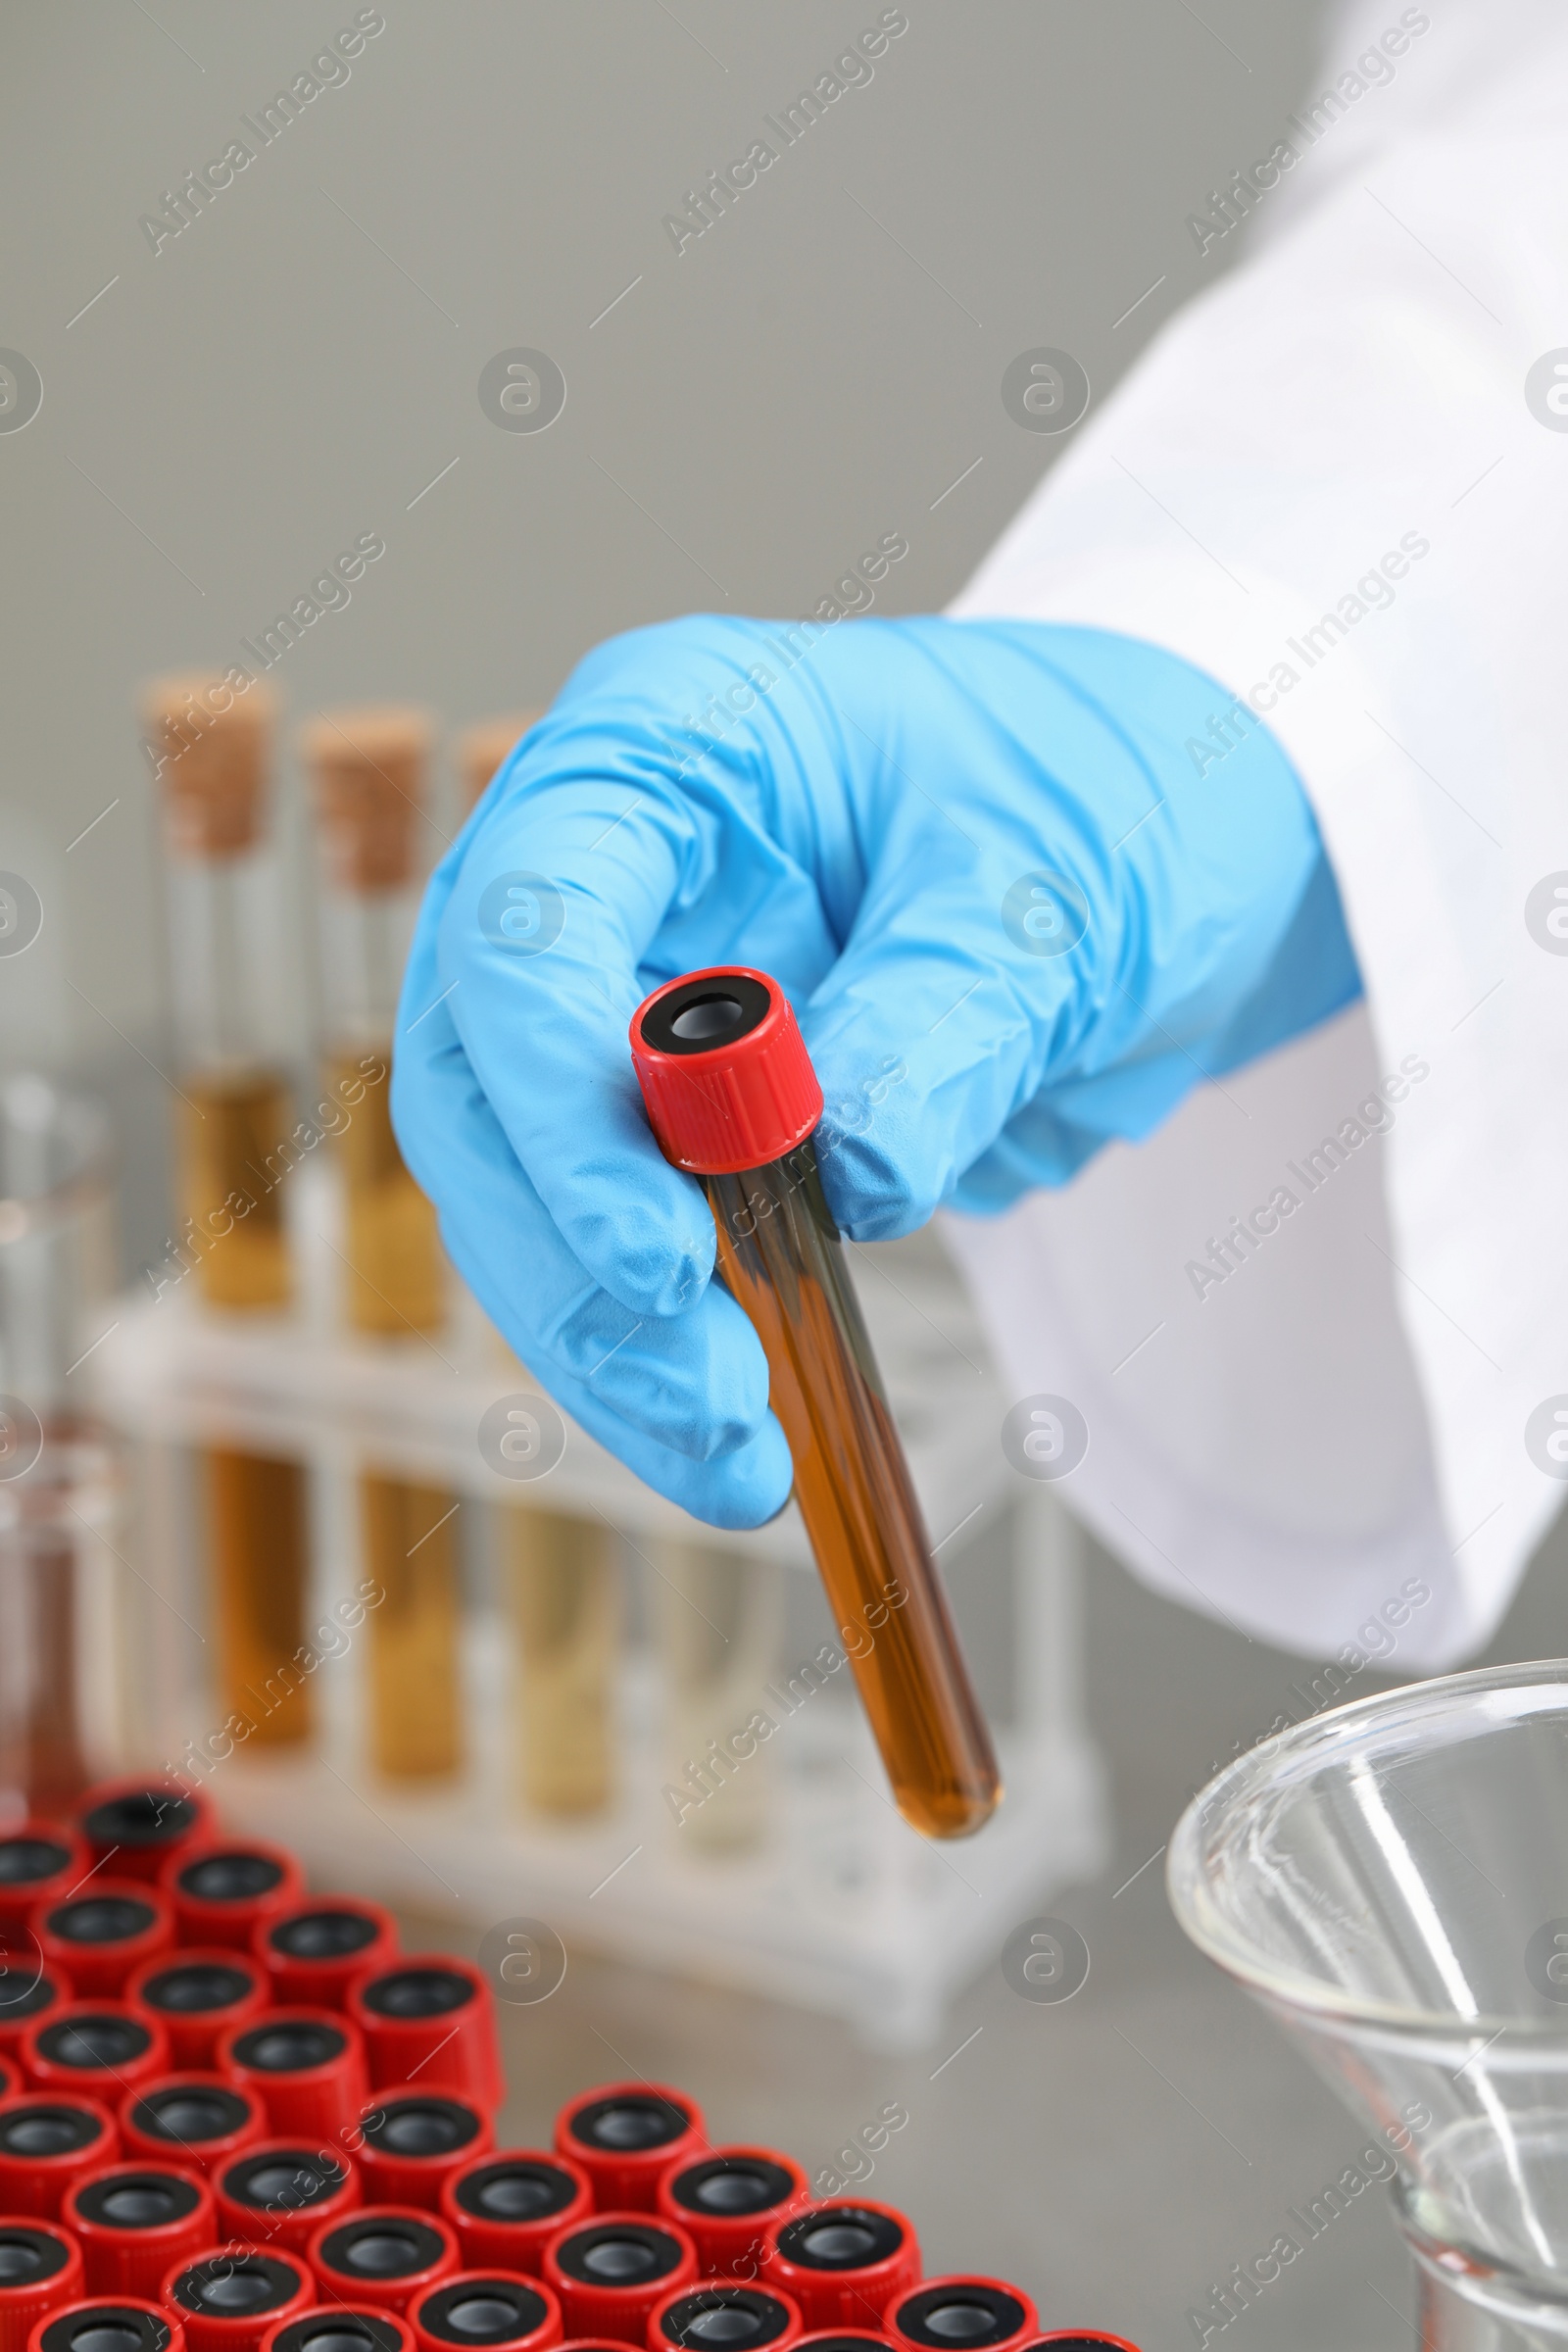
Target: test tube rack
(843, 1908)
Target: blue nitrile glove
(1012, 916)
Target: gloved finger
(592, 870)
(682, 1399)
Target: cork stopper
(211, 749)
(482, 747)
(368, 772)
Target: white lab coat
(1344, 1413)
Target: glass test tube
(732, 1098)
(211, 749)
(369, 771)
(561, 1575)
(720, 1617)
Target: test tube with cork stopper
(211, 744)
(368, 773)
(559, 1575)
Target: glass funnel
(1391, 1882)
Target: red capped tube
(313, 1950)
(201, 2119)
(49, 2140)
(728, 2199)
(30, 1994)
(500, 2311)
(196, 1995)
(133, 2220)
(101, 2047)
(363, 2326)
(990, 2314)
(626, 2135)
(227, 2297)
(723, 2311)
(385, 2254)
(307, 2066)
(40, 2269)
(429, 2017)
(223, 1889)
(281, 2191)
(40, 1862)
(843, 2260)
(732, 1098)
(611, 2272)
(412, 2144)
(136, 2325)
(133, 1825)
(103, 1932)
(507, 2206)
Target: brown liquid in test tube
(732, 1098)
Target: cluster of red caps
(236, 2117)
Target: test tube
(733, 1100)
(560, 1576)
(210, 747)
(369, 770)
(719, 1615)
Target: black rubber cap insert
(724, 2319)
(417, 1993)
(109, 2327)
(185, 2111)
(379, 2247)
(23, 1996)
(517, 2189)
(24, 1861)
(28, 2255)
(621, 2126)
(236, 2286)
(958, 2312)
(840, 2237)
(101, 1918)
(482, 2311)
(103, 2042)
(147, 2200)
(193, 1987)
(339, 2332)
(427, 2127)
(619, 2254)
(286, 2179)
(322, 1935)
(142, 1816)
(289, 2047)
(45, 2130)
(230, 1878)
(732, 2184)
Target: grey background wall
(297, 365)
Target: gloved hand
(1013, 919)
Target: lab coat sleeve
(1318, 1325)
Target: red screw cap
(727, 2199)
(48, 2141)
(79, 2327)
(281, 2191)
(201, 2119)
(103, 1932)
(611, 2272)
(223, 1889)
(227, 2297)
(102, 2048)
(30, 1994)
(507, 2207)
(363, 2326)
(134, 1826)
(39, 1862)
(133, 2220)
(411, 2145)
(749, 2316)
(727, 1080)
(313, 1950)
(390, 2252)
(624, 2135)
(431, 2015)
(196, 1995)
(307, 2067)
(40, 2269)
(984, 2315)
(842, 2261)
(499, 2310)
